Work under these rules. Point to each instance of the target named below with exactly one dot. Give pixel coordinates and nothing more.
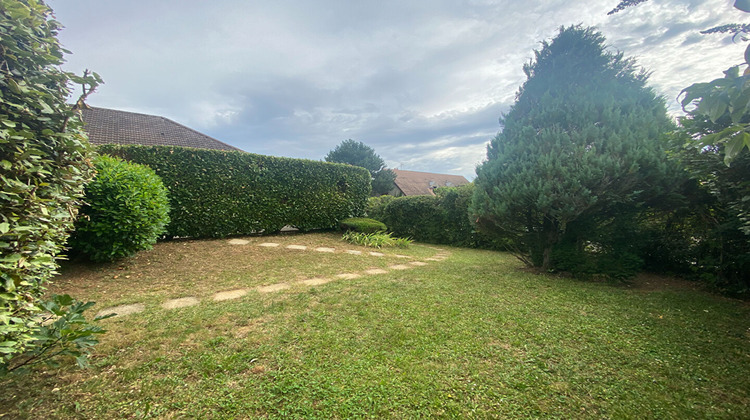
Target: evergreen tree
(356, 153)
(579, 149)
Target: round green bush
(362, 224)
(127, 210)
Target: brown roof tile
(422, 183)
(110, 126)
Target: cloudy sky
(422, 82)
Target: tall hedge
(439, 219)
(44, 164)
(217, 193)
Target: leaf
(734, 146)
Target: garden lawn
(470, 336)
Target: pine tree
(579, 146)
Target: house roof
(110, 126)
(422, 183)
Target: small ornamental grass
(376, 240)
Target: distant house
(423, 183)
(110, 126)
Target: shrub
(362, 224)
(376, 240)
(43, 164)
(126, 211)
(376, 206)
(215, 193)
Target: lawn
(472, 335)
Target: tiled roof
(110, 126)
(422, 183)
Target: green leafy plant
(376, 240)
(61, 330)
(126, 210)
(583, 145)
(44, 163)
(362, 224)
(216, 193)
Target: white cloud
(422, 82)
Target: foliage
(439, 219)
(362, 224)
(376, 206)
(730, 93)
(376, 239)
(580, 145)
(63, 330)
(126, 210)
(357, 153)
(216, 193)
(44, 163)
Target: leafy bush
(126, 211)
(376, 206)
(44, 165)
(62, 330)
(362, 224)
(376, 240)
(215, 193)
(439, 219)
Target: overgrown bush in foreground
(215, 193)
(126, 211)
(44, 164)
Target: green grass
(471, 336)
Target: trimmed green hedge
(440, 219)
(216, 193)
(362, 224)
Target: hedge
(439, 219)
(362, 224)
(216, 193)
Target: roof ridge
(234, 148)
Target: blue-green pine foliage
(579, 154)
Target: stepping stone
(231, 294)
(238, 242)
(269, 244)
(399, 267)
(323, 249)
(377, 254)
(302, 247)
(179, 303)
(401, 256)
(418, 263)
(123, 310)
(348, 276)
(353, 252)
(273, 288)
(376, 271)
(433, 259)
(316, 281)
